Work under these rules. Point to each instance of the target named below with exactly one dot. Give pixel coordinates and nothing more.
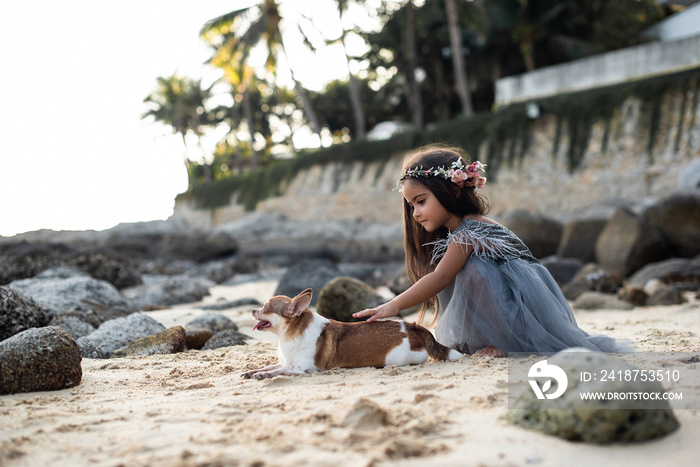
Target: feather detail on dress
(489, 241)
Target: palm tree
(179, 102)
(232, 39)
(415, 102)
(528, 22)
(460, 68)
(354, 84)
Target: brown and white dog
(309, 342)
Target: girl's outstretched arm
(428, 286)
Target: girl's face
(427, 210)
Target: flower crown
(462, 175)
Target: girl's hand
(382, 311)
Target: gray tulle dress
(504, 297)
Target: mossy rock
(343, 296)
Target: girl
(492, 295)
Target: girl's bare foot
(489, 351)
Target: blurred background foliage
(408, 73)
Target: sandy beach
(194, 409)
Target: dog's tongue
(261, 324)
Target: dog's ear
(299, 303)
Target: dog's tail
(436, 350)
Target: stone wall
(539, 181)
(619, 66)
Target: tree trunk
(248, 113)
(307, 108)
(309, 111)
(355, 99)
(460, 68)
(415, 103)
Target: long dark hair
(457, 201)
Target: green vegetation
(433, 63)
(506, 132)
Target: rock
(579, 238)
(314, 274)
(563, 270)
(165, 291)
(627, 243)
(222, 270)
(19, 313)
(39, 359)
(665, 296)
(89, 349)
(226, 338)
(197, 337)
(252, 302)
(600, 301)
(108, 265)
(23, 260)
(398, 281)
(118, 332)
(540, 233)
(172, 340)
(97, 301)
(689, 177)
(260, 276)
(170, 239)
(595, 421)
(633, 294)
(669, 271)
(343, 296)
(74, 325)
(677, 217)
(216, 322)
(591, 277)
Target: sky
(74, 151)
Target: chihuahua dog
(309, 342)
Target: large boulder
(76, 327)
(165, 291)
(677, 217)
(627, 243)
(94, 300)
(226, 338)
(573, 418)
(600, 301)
(343, 296)
(563, 270)
(314, 274)
(670, 271)
(170, 239)
(23, 259)
(19, 313)
(39, 359)
(215, 322)
(172, 340)
(591, 277)
(579, 237)
(116, 333)
(540, 233)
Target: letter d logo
(542, 369)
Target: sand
(193, 409)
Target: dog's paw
(246, 375)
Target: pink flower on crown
(459, 177)
(481, 182)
